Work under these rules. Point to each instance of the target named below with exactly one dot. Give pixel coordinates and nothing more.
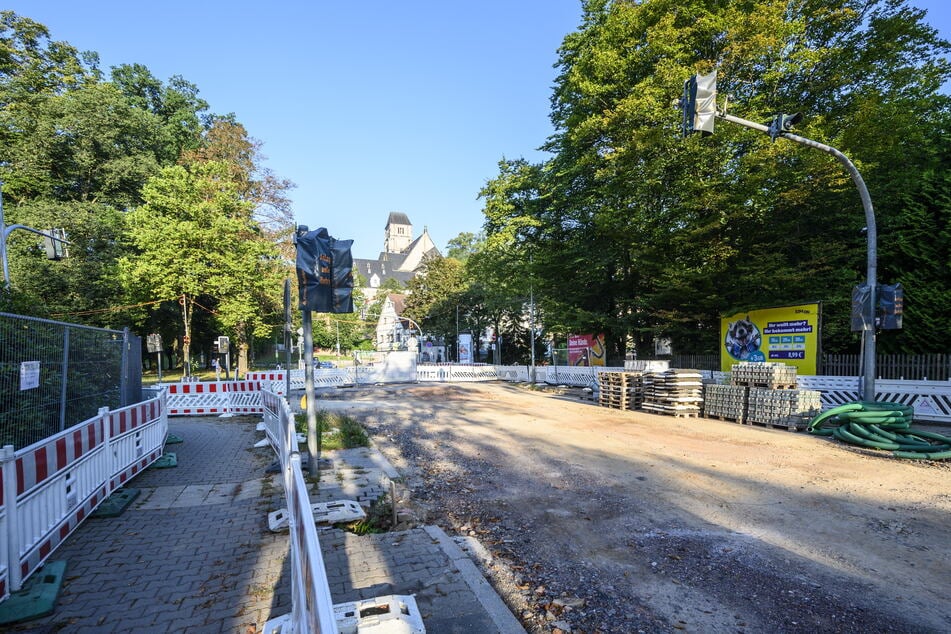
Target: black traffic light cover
(699, 104)
(783, 123)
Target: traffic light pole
(868, 334)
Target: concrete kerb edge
(500, 614)
(384, 465)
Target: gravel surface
(594, 520)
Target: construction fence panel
(575, 376)
(50, 487)
(54, 375)
(456, 373)
(515, 373)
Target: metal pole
(3, 242)
(287, 337)
(124, 379)
(868, 340)
(531, 299)
(313, 438)
(65, 384)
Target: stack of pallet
(791, 409)
(776, 376)
(674, 392)
(620, 390)
(726, 402)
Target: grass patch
(338, 431)
(379, 519)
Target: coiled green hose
(885, 426)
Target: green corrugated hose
(885, 426)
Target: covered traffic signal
(783, 123)
(699, 104)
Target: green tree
(639, 233)
(463, 245)
(194, 238)
(175, 104)
(434, 296)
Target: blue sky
(391, 106)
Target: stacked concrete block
(792, 409)
(776, 376)
(674, 392)
(727, 402)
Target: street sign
(223, 343)
(154, 343)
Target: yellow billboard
(787, 334)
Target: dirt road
(600, 520)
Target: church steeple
(399, 233)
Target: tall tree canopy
(639, 233)
(161, 201)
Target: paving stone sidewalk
(193, 552)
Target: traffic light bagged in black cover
(324, 272)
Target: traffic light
(699, 104)
(55, 243)
(783, 123)
(324, 271)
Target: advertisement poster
(465, 348)
(786, 334)
(586, 350)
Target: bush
(337, 431)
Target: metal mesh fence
(54, 375)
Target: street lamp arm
(868, 339)
(3, 244)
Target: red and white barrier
(215, 398)
(50, 487)
(278, 376)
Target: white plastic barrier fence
(214, 397)
(50, 487)
(458, 373)
(577, 376)
(931, 399)
(312, 609)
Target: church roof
(397, 218)
(383, 268)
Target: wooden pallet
(786, 426)
(724, 418)
(683, 414)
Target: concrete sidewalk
(193, 552)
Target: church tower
(399, 233)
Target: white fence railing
(50, 487)
(311, 605)
(312, 609)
